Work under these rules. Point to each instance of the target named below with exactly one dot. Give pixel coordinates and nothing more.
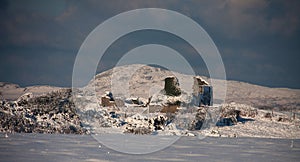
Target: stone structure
(107, 100)
(202, 92)
(172, 86)
(198, 84)
(170, 108)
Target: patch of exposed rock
(50, 113)
(233, 113)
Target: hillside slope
(148, 80)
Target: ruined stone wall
(172, 86)
(198, 83)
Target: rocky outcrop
(50, 113)
(233, 113)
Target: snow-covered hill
(148, 80)
(10, 91)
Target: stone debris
(268, 115)
(199, 119)
(138, 124)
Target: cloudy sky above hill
(259, 40)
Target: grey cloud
(243, 19)
(258, 39)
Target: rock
(200, 116)
(233, 113)
(142, 130)
(190, 134)
(138, 101)
(283, 119)
(49, 113)
(159, 122)
(226, 122)
(268, 115)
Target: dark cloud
(139, 38)
(258, 39)
(3, 4)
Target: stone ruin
(107, 100)
(202, 92)
(55, 112)
(172, 86)
(171, 101)
(198, 84)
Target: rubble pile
(50, 113)
(138, 124)
(103, 118)
(162, 124)
(200, 117)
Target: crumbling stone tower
(202, 92)
(172, 86)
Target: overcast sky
(259, 40)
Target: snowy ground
(261, 127)
(84, 148)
